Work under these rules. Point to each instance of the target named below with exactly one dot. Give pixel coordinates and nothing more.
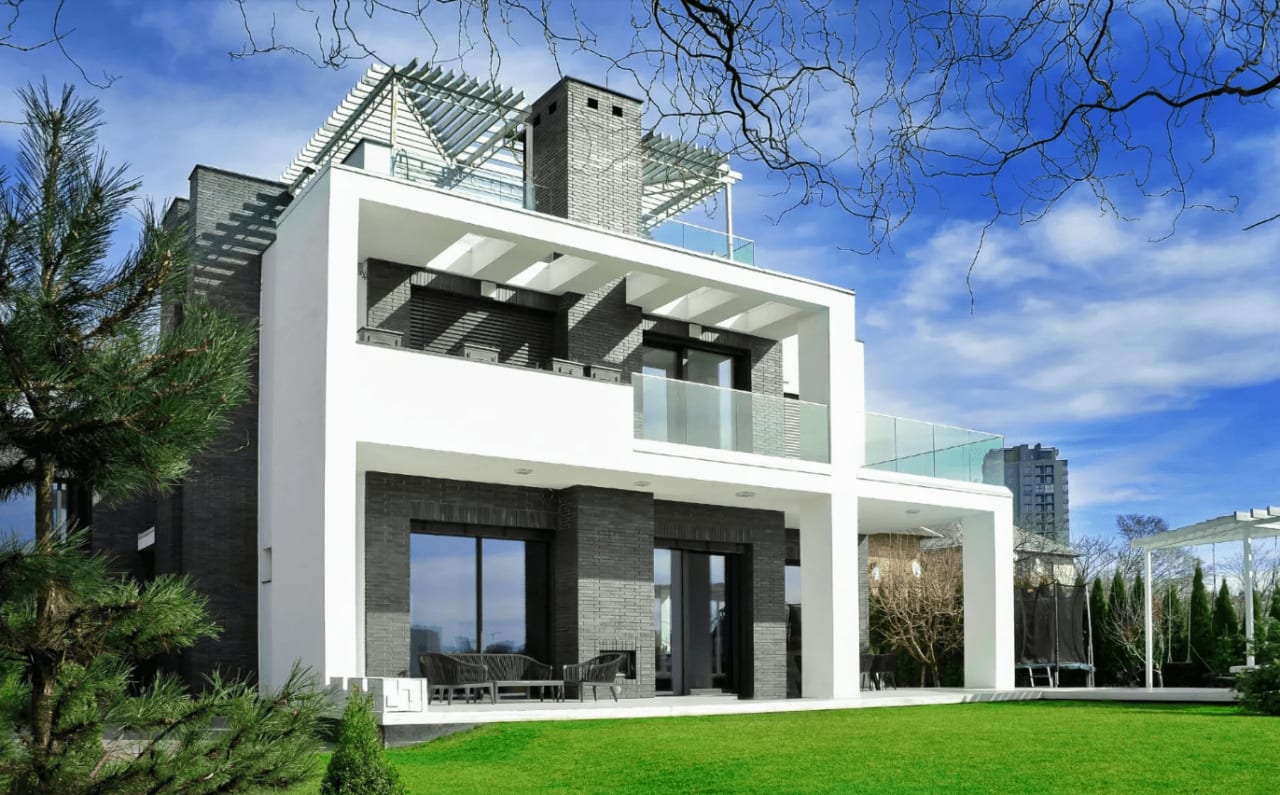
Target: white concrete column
(1148, 628)
(988, 601)
(1248, 600)
(829, 643)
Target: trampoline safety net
(1049, 625)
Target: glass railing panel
(914, 447)
(703, 241)
(683, 412)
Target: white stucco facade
(334, 408)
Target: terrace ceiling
(401, 235)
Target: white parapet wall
(396, 700)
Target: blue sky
(1151, 362)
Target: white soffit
(1256, 523)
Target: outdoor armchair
(595, 673)
(446, 673)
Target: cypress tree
(1201, 630)
(1225, 622)
(1101, 618)
(1275, 604)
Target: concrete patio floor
(674, 706)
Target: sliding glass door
(470, 594)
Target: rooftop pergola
(1242, 526)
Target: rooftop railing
(703, 241)
(510, 190)
(684, 412)
(896, 444)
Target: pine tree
(358, 766)
(1201, 631)
(91, 390)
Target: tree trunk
(43, 668)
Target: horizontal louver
(441, 322)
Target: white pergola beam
(481, 254)
(656, 297)
(507, 266)
(714, 316)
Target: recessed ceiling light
(746, 494)
(913, 511)
(523, 471)
(640, 483)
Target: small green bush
(358, 766)
(1259, 690)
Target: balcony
(683, 412)
(895, 444)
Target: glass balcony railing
(703, 241)
(487, 186)
(510, 190)
(683, 412)
(896, 444)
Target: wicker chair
(446, 673)
(518, 670)
(595, 673)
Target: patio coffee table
(556, 686)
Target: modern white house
(506, 401)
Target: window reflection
(470, 594)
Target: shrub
(1259, 690)
(358, 766)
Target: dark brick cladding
(392, 503)
(604, 579)
(207, 526)
(602, 572)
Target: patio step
(711, 691)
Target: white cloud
(1077, 317)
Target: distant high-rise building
(1038, 479)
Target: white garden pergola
(1242, 526)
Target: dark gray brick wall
(601, 328)
(763, 535)
(231, 219)
(115, 531)
(392, 504)
(389, 286)
(603, 594)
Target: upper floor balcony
(896, 444)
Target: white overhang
(1256, 523)
(437, 230)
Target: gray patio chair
(595, 673)
(884, 670)
(446, 673)
(864, 666)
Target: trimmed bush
(358, 766)
(1259, 690)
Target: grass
(1002, 747)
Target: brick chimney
(586, 155)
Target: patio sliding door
(470, 593)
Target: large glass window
(469, 594)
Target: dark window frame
(682, 345)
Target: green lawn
(1006, 747)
